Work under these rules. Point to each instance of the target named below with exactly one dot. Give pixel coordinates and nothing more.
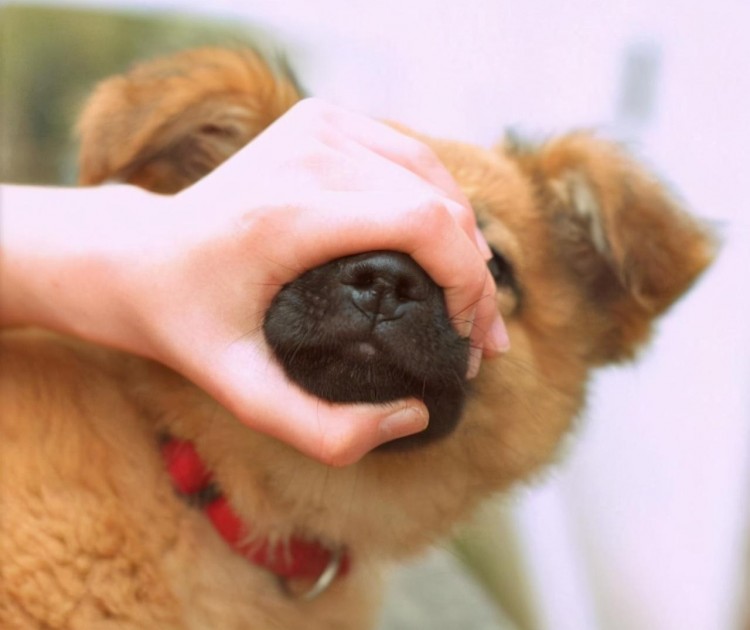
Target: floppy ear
(168, 122)
(622, 235)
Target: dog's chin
(335, 377)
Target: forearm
(57, 247)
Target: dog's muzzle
(372, 328)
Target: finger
(455, 263)
(489, 334)
(383, 173)
(482, 244)
(340, 129)
(423, 227)
(259, 394)
(348, 432)
(392, 144)
(336, 435)
(497, 340)
(411, 154)
(419, 159)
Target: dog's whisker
(472, 305)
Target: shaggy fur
(93, 537)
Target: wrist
(62, 255)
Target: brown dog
(589, 250)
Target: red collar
(297, 558)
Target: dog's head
(588, 250)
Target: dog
(130, 499)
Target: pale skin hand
(185, 280)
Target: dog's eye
(501, 270)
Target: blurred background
(643, 524)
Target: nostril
(360, 278)
(379, 281)
(410, 290)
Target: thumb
(260, 395)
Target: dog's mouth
(372, 328)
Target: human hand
(190, 277)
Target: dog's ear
(168, 122)
(619, 231)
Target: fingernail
(403, 422)
(482, 244)
(466, 324)
(497, 339)
(475, 360)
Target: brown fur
(91, 534)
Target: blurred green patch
(50, 59)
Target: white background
(643, 527)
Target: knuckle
(432, 216)
(308, 104)
(420, 154)
(490, 288)
(313, 108)
(475, 289)
(337, 448)
(485, 291)
(464, 216)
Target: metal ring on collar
(325, 579)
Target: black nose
(372, 328)
(384, 285)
